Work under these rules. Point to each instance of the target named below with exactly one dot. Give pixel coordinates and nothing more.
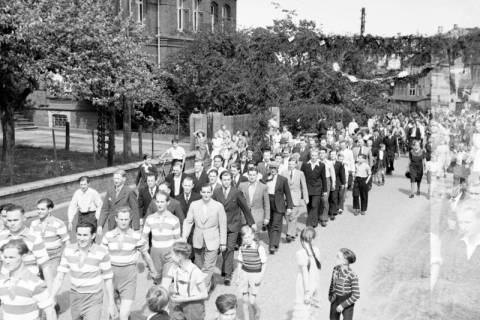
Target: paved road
(390, 213)
(82, 141)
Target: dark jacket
(142, 174)
(144, 199)
(340, 178)
(316, 179)
(283, 197)
(184, 205)
(126, 198)
(233, 204)
(198, 183)
(170, 180)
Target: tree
(20, 63)
(100, 52)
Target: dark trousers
(333, 202)
(227, 264)
(275, 225)
(341, 198)
(390, 167)
(347, 312)
(313, 207)
(360, 194)
(350, 180)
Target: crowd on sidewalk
(181, 224)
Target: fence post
(140, 142)
(93, 146)
(54, 145)
(153, 143)
(67, 135)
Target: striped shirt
(252, 257)
(53, 232)
(344, 282)
(124, 247)
(23, 295)
(37, 254)
(165, 229)
(86, 277)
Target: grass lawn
(33, 163)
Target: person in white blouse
(349, 161)
(85, 205)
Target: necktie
(291, 174)
(225, 193)
(151, 193)
(187, 197)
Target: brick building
(170, 23)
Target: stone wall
(61, 189)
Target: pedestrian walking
(340, 181)
(23, 294)
(187, 299)
(344, 290)
(316, 179)
(307, 296)
(416, 167)
(361, 185)
(252, 261)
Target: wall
(61, 189)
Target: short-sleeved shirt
(165, 229)
(124, 250)
(186, 281)
(177, 153)
(22, 296)
(89, 276)
(362, 170)
(53, 232)
(37, 254)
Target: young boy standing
(252, 261)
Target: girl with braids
(307, 292)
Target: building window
(411, 89)
(182, 15)
(140, 11)
(59, 120)
(197, 15)
(226, 16)
(214, 15)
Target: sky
(383, 17)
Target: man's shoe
(418, 193)
(340, 211)
(271, 250)
(324, 224)
(227, 281)
(355, 212)
(332, 218)
(363, 213)
(289, 239)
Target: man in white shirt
(349, 161)
(352, 126)
(85, 205)
(177, 153)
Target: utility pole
(362, 25)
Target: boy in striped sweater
(344, 290)
(252, 261)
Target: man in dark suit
(145, 196)
(199, 176)
(237, 177)
(233, 201)
(391, 150)
(279, 193)
(315, 175)
(119, 195)
(243, 163)
(262, 166)
(175, 180)
(303, 150)
(340, 181)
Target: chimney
(455, 26)
(440, 29)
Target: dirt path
(390, 213)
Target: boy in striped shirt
(344, 290)
(37, 256)
(165, 229)
(124, 244)
(90, 273)
(52, 230)
(252, 261)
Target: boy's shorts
(249, 282)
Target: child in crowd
(226, 307)
(307, 294)
(157, 300)
(361, 185)
(252, 261)
(187, 301)
(344, 289)
(380, 165)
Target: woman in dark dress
(416, 166)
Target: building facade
(170, 23)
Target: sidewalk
(81, 140)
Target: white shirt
(251, 190)
(177, 183)
(471, 247)
(271, 185)
(348, 159)
(176, 153)
(89, 200)
(330, 171)
(380, 154)
(351, 127)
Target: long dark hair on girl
(306, 237)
